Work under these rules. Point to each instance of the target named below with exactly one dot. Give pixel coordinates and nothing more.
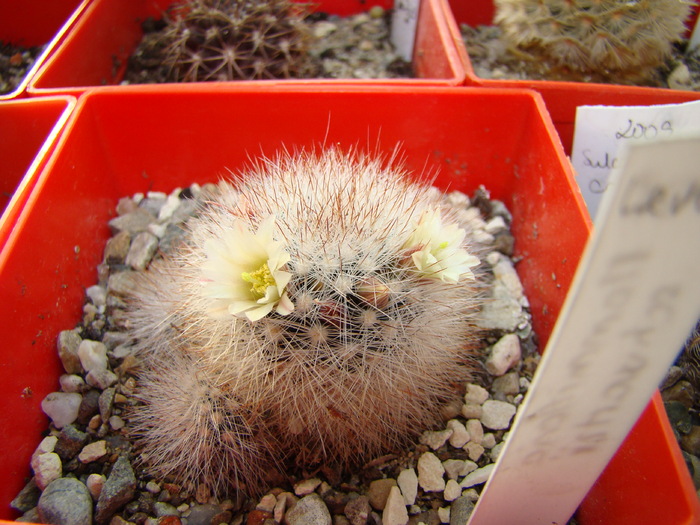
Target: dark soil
(15, 61)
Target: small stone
(89, 406)
(267, 503)
(479, 476)
(457, 468)
(31, 516)
(309, 509)
(680, 78)
(460, 435)
(357, 510)
(475, 430)
(488, 441)
(306, 486)
(378, 492)
(430, 473)
(691, 441)
(116, 248)
(323, 29)
(141, 251)
(395, 512)
(132, 222)
(444, 514)
(504, 272)
(101, 378)
(66, 501)
(27, 498)
(435, 439)
(62, 407)
(68, 343)
(471, 411)
(682, 392)
(70, 442)
(116, 423)
(202, 514)
(47, 468)
(153, 487)
(280, 507)
(461, 510)
(48, 444)
(508, 384)
(97, 294)
(496, 451)
(505, 354)
(476, 394)
(161, 509)
(256, 517)
(452, 490)
(407, 481)
(496, 225)
(93, 355)
(94, 483)
(71, 383)
(93, 452)
(123, 283)
(172, 202)
(106, 402)
(118, 490)
(474, 450)
(497, 414)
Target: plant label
(403, 27)
(601, 131)
(634, 300)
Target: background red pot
(96, 51)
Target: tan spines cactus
(236, 40)
(618, 38)
(356, 351)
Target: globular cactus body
(236, 40)
(326, 300)
(608, 37)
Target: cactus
(326, 300)
(235, 40)
(611, 38)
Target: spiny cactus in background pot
(320, 310)
(235, 40)
(624, 39)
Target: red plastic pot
(32, 23)
(562, 98)
(116, 144)
(96, 51)
(28, 134)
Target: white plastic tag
(602, 130)
(403, 27)
(634, 299)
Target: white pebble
(474, 450)
(496, 225)
(95, 482)
(97, 294)
(395, 512)
(459, 436)
(452, 490)
(504, 271)
(444, 514)
(267, 503)
(48, 444)
(167, 210)
(476, 395)
(504, 355)
(93, 355)
(488, 441)
(479, 476)
(476, 431)
(93, 451)
(435, 439)
(71, 383)
(497, 414)
(47, 468)
(101, 378)
(407, 481)
(471, 411)
(430, 473)
(116, 423)
(153, 487)
(62, 407)
(496, 451)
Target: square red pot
(561, 98)
(32, 23)
(28, 134)
(116, 144)
(96, 51)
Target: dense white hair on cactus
(375, 340)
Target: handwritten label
(602, 130)
(634, 299)
(403, 27)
